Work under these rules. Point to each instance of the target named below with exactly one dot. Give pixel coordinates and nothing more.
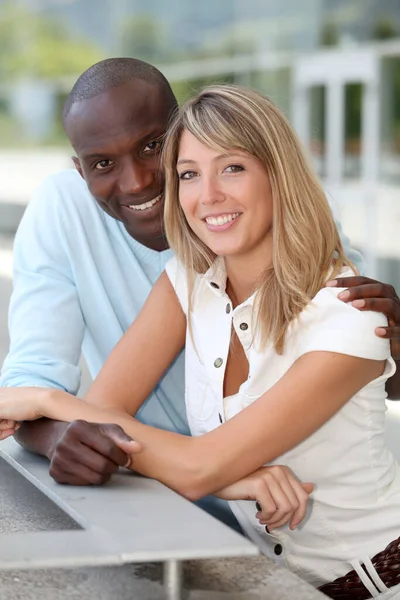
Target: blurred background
(332, 65)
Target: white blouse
(354, 511)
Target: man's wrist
(56, 430)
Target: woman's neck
(243, 277)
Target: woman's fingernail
(344, 295)
(358, 303)
(331, 283)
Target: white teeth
(148, 204)
(222, 220)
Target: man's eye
(234, 169)
(187, 175)
(152, 146)
(103, 164)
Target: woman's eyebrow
(219, 157)
(182, 161)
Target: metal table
(131, 520)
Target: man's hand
(88, 454)
(369, 294)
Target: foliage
(384, 29)
(329, 34)
(145, 38)
(36, 46)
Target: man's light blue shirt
(79, 281)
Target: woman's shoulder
(328, 323)
(184, 281)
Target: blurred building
(333, 66)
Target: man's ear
(78, 166)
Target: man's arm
(369, 294)
(46, 331)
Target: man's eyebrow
(99, 155)
(145, 138)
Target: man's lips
(144, 205)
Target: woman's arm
(316, 386)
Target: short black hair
(114, 72)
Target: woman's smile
(221, 222)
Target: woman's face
(226, 199)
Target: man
(88, 250)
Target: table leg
(173, 579)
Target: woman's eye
(187, 175)
(152, 146)
(234, 169)
(103, 164)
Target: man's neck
(158, 244)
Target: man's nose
(135, 178)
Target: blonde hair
(306, 245)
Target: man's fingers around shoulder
(350, 282)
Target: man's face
(116, 136)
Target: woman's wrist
(48, 400)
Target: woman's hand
(19, 404)
(280, 497)
(22, 404)
(8, 427)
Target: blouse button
(278, 549)
(218, 362)
(243, 326)
(214, 285)
(228, 309)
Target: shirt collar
(215, 279)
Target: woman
(277, 368)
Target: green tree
(329, 34)
(145, 38)
(36, 46)
(384, 29)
